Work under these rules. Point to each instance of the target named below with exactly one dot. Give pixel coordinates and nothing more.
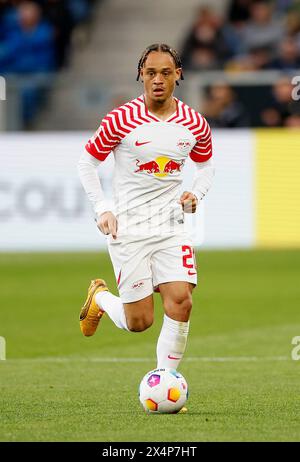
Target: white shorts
(141, 265)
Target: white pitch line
(66, 359)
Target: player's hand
(108, 224)
(189, 202)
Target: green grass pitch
(57, 385)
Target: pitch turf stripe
(65, 359)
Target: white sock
(113, 306)
(171, 343)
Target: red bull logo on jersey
(160, 167)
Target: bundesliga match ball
(163, 391)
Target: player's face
(159, 75)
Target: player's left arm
(201, 154)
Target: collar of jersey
(169, 119)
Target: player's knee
(179, 307)
(139, 324)
(185, 306)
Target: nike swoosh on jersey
(191, 273)
(141, 144)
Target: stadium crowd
(254, 35)
(34, 40)
(35, 34)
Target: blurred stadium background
(65, 64)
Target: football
(163, 391)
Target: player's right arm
(96, 150)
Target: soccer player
(150, 138)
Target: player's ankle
(100, 297)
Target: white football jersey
(149, 157)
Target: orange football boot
(90, 313)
